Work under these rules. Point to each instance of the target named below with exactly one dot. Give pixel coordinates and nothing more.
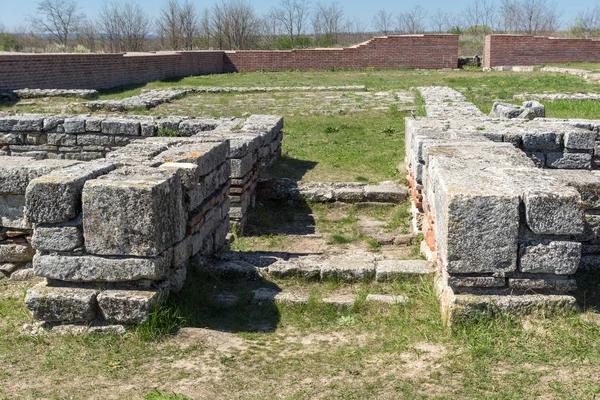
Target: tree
(125, 25)
(383, 22)
(179, 24)
(532, 17)
(481, 13)
(59, 18)
(327, 23)
(412, 21)
(292, 16)
(587, 24)
(440, 21)
(234, 24)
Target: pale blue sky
(13, 12)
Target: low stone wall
(499, 227)
(507, 50)
(255, 141)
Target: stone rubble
(41, 93)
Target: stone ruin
(509, 208)
(109, 213)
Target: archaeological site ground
(365, 230)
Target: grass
(592, 67)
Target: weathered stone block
(88, 268)
(56, 197)
(117, 126)
(74, 125)
(554, 257)
(581, 140)
(557, 212)
(93, 124)
(241, 166)
(17, 172)
(386, 270)
(61, 304)
(15, 252)
(569, 160)
(12, 138)
(65, 237)
(541, 140)
(62, 139)
(127, 306)
(12, 212)
(189, 173)
(347, 270)
(559, 285)
(133, 211)
(92, 139)
(457, 282)
(22, 123)
(538, 157)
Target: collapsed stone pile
(499, 226)
(529, 110)
(112, 236)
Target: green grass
(592, 67)
(586, 109)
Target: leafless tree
(440, 21)
(179, 25)
(328, 21)
(481, 13)
(59, 18)
(293, 16)
(587, 24)
(125, 25)
(234, 25)
(412, 21)
(383, 22)
(87, 35)
(532, 17)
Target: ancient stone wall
(96, 71)
(506, 50)
(502, 230)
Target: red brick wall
(392, 52)
(533, 50)
(96, 71)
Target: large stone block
(56, 197)
(15, 252)
(17, 172)
(118, 126)
(89, 268)
(550, 257)
(587, 184)
(22, 123)
(133, 211)
(580, 139)
(541, 140)
(562, 160)
(127, 306)
(64, 238)
(556, 211)
(61, 304)
(207, 155)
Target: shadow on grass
(588, 290)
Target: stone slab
(127, 306)
(61, 304)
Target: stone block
(64, 238)
(550, 257)
(387, 270)
(556, 212)
(138, 153)
(56, 197)
(189, 173)
(61, 304)
(93, 124)
(89, 268)
(127, 306)
(74, 125)
(541, 140)
(580, 139)
(349, 194)
(12, 138)
(347, 270)
(538, 157)
(561, 160)
(558, 285)
(133, 211)
(22, 123)
(54, 124)
(15, 252)
(241, 166)
(505, 110)
(190, 127)
(62, 139)
(17, 172)
(118, 126)
(295, 268)
(92, 139)
(182, 252)
(12, 212)
(148, 128)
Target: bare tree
(482, 14)
(234, 24)
(179, 25)
(59, 18)
(125, 25)
(412, 21)
(87, 35)
(327, 22)
(440, 21)
(587, 24)
(383, 22)
(532, 17)
(293, 16)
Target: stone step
(268, 295)
(344, 267)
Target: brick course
(96, 71)
(506, 50)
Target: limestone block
(505, 110)
(127, 306)
(12, 138)
(92, 139)
(386, 270)
(61, 304)
(587, 184)
(458, 282)
(241, 166)
(189, 173)
(347, 270)
(133, 211)
(12, 212)
(554, 212)
(182, 252)
(541, 140)
(119, 126)
(93, 124)
(15, 252)
(559, 285)
(191, 127)
(22, 123)
(533, 109)
(54, 124)
(66, 237)
(137, 153)
(580, 139)
(550, 257)
(56, 197)
(17, 172)
(295, 268)
(89, 268)
(62, 139)
(74, 125)
(569, 160)
(207, 155)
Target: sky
(13, 13)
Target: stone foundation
(504, 205)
